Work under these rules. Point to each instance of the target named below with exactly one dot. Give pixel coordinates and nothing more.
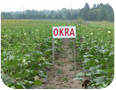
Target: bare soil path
(64, 74)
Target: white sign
(64, 32)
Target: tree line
(97, 12)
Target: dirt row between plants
(64, 71)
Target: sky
(21, 5)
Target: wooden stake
(53, 56)
(74, 58)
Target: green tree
(85, 11)
(97, 12)
(103, 15)
(93, 14)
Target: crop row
(96, 52)
(26, 51)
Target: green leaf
(41, 74)
(37, 82)
(92, 70)
(20, 86)
(99, 80)
(13, 87)
(80, 74)
(40, 66)
(47, 64)
(41, 59)
(81, 79)
(87, 56)
(101, 72)
(59, 71)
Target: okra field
(26, 51)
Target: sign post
(53, 56)
(64, 32)
(74, 57)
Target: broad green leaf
(81, 74)
(47, 64)
(41, 74)
(38, 82)
(99, 80)
(81, 79)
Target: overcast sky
(20, 5)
